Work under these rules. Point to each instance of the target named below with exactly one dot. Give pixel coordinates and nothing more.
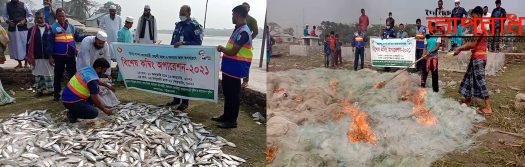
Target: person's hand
(107, 111)
(22, 22)
(220, 48)
(457, 52)
(245, 82)
(111, 88)
(51, 61)
(11, 23)
(178, 44)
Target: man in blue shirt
(327, 51)
(498, 12)
(187, 32)
(305, 31)
(81, 92)
(49, 14)
(236, 61)
(458, 12)
(359, 43)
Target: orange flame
(360, 130)
(271, 151)
(420, 112)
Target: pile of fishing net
(336, 117)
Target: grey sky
(167, 11)
(296, 13)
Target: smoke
(301, 123)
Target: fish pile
(136, 135)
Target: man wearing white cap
(111, 23)
(124, 34)
(93, 48)
(146, 32)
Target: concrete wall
(302, 50)
(495, 62)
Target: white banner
(393, 52)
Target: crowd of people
(430, 42)
(50, 49)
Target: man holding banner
(187, 32)
(235, 66)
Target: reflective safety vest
(359, 41)
(238, 66)
(78, 83)
(64, 39)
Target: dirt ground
(490, 149)
(249, 137)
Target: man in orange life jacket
(235, 66)
(81, 93)
(63, 48)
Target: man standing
(187, 32)
(63, 47)
(37, 43)
(124, 35)
(17, 14)
(401, 33)
(252, 23)
(421, 32)
(236, 61)
(38, 55)
(359, 43)
(486, 17)
(93, 48)
(327, 51)
(390, 20)
(49, 14)
(305, 31)
(146, 32)
(111, 24)
(474, 83)
(458, 12)
(81, 92)
(331, 41)
(498, 13)
(363, 21)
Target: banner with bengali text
(189, 72)
(393, 52)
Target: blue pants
(359, 55)
(81, 109)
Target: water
(217, 40)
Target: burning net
(324, 117)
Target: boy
(327, 51)
(430, 64)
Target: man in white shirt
(146, 32)
(93, 48)
(486, 17)
(111, 23)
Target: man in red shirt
(363, 20)
(474, 83)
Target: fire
(420, 112)
(360, 130)
(271, 151)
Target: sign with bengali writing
(392, 52)
(189, 72)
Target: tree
(105, 8)
(289, 31)
(80, 9)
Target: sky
(167, 11)
(312, 12)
